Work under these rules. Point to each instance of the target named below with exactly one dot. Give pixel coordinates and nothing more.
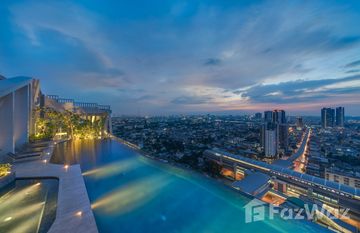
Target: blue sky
(164, 57)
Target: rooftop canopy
(12, 84)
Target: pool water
(131, 193)
(28, 205)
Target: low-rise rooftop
(252, 183)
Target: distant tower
(271, 140)
(299, 123)
(327, 117)
(268, 116)
(340, 116)
(323, 117)
(283, 136)
(279, 116)
(274, 132)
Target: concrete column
(21, 116)
(6, 124)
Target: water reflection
(80, 151)
(113, 169)
(131, 196)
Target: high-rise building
(327, 117)
(271, 140)
(279, 116)
(299, 123)
(274, 121)
(268, 116)
(340, 116)
(283, 130)
(332, 118)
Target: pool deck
(72, 196)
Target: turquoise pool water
(131, 193)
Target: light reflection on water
(131, 196)
(131, 193)
(28, 205)
(112, 169)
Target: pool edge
(74, 213)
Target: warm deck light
(66, 166)
(79, 213)
(44, 161)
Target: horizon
(188, 57)
(218, 114)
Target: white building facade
(16, 112)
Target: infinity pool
(131, 193)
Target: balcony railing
(87, 107)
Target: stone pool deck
(73, 212)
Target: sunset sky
(176, 56)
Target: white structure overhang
(15, 113)
(8, 86)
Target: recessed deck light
(79, 213)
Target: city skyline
(188, 57)
(179, 116)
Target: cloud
(353, 71)
(300, 40)
(303, 91)
(66, 18)
(146, 97)
(299, 68)
(191, 100)
(212, 62)
(353, 64)
(66, 47)
(163, 50)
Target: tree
(75, 125)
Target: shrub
(4, 169)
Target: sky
(177, 56)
